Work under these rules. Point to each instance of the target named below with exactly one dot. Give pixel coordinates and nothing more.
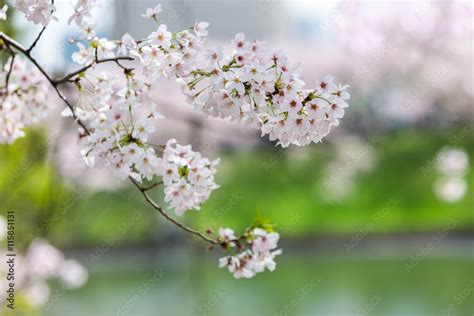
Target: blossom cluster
(23, 100)
(41, 11)
(259, 252)
(187, 176)
(162, 53)
(40, 263)
(264, 90)
(118, 139)
(3, 12)
(36, 11)
(99, 48)
(119, 126)
(166, 54)
(118, 136)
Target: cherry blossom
(84, 55)
(152, 13)
(166, 54)
(3, 12)
(40, 263)
(23, 101)
(259, 255)
(118, 119)
(87, 30)
(263, 90)
(126, 44)
(187, 176)
(200, 28)
(82, 10)
(36, 11)
(226, 236)
(119, 127)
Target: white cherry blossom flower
(264, 241)
(126, 44)
(25, 100)
(151, 13)
(87, 29)
(118, 131)
(3, 12)
(161, 37)
(259, 256)
(200, 28)
(36, 11)
(84, 55)
(105, 48)
(188, 178)
(78, 17)
(227, 236)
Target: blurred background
(376, 220)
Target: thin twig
(67, 77)
(122, 66)
(169, 218)
(40, 33)
(36, 40)
(152, 186)
(7, 78)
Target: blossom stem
(36, 40)
(7, 78)
(122, 66)
(71, 75)
(39, 35)
(319, 97)
(169, 218)
(151, 186)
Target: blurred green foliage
(292, 194)
(285, 186)
(29, 185)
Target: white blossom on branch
(263, 89)
(23, 98)
(117, 118)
